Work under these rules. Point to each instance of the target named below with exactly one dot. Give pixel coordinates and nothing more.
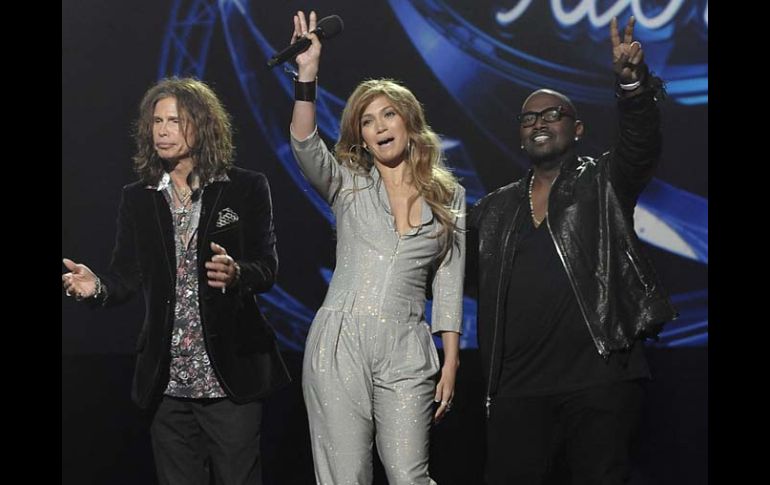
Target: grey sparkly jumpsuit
(370, 365)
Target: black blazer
(240, 343)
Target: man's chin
(545, 162)
(171, 160)
(541, 158)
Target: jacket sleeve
(124, 276)
(472, 247)
(259, 261)
(637, 150)
(447, 311)
(319, 166)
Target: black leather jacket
(590, 219)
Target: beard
(549, 160)
(546, 163)
(550, 156)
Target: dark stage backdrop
(471, 63)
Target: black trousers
(592, 429)
(193, 437)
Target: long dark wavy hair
(202, 115)
(424, 158)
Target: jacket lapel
(210, 204)
(166, 228)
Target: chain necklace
(185, 197)
(182, 214)
(531, 204)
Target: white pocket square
(226, 217)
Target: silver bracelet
(98, 288)
(630, 86)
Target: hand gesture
(627, 55)
(80, 282)
(221, 270)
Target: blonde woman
(371, 370)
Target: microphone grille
(329, 26)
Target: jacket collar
(426, 214)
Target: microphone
(327, 28)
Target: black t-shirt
(548, 346)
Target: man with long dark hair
(196, 235)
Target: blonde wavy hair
(425, 164)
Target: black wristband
(304, 91)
